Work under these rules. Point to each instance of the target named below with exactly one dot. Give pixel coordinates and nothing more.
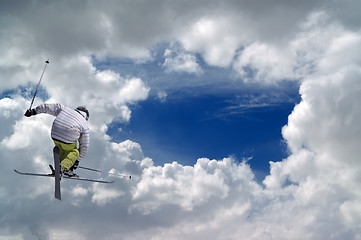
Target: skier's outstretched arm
(52, 109)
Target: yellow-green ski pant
(68, 154)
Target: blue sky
(209, 115)
(186, 127)
(179, 93)
(198, 127)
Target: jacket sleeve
(83, 144)
(52, 109)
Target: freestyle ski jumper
(70, 134)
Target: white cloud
(162, 96)
(134, 90)
(214, 39)
(10, 111)
(264, 63)
(102, 195)
(75, 81)
(180, 61)
(312, 194)
(268, 62)
(24, 131)
(323, 134)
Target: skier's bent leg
(69, 154)
(70, 159)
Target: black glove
(30, 112)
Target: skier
(69, 127)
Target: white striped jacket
(69, 125)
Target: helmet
(83, 109)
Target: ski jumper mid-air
(69, 128)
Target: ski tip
(56, 149)
(106, 181)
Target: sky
(236, 119)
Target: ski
(56, 172)
(65, 177)
(57, 175)
(99, 171)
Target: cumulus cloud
(213, 38)
(314, 193)
(185, 186)
(180, 61)
(269, 62)
(322, 135)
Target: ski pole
(114, 174)
(32, 101)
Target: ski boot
(68, 173)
